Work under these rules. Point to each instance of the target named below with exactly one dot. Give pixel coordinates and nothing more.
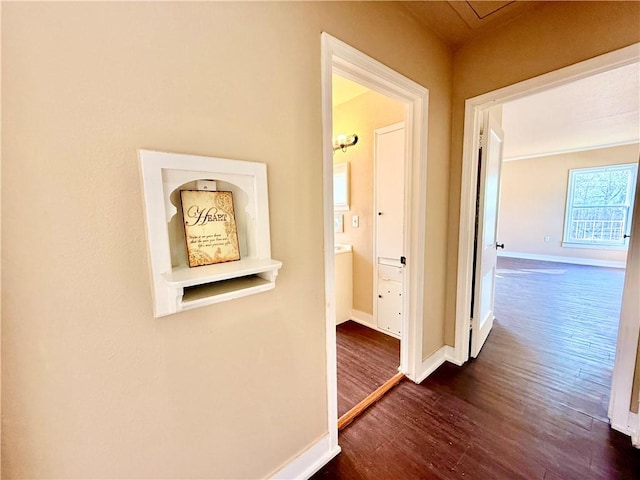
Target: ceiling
(345, 90)
(594, 112)
(597, 111)
(456, 22)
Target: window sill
(592, 246)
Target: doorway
(625, 360)
(368, 145)
(340, 58)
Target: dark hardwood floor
(531, 406)
(366, 359)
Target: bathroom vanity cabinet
(344, 282)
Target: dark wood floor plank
(369, 400)
(366, 359)
(533, 405)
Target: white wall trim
(586, 246)
(357, 67)
(629, 427)
(634, 419)
(450, 355)
(390, 128)
(473, 110)
(571, 150)
(368, 321)
(363, 318)
(337, 56)
(428, 366)
(309, 461)
(556, 258)
(326, 58)
(620, 400)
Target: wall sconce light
(344, 141)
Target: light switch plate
(355, 221)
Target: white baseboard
(559, 259)
(631, 428)
(363, 318)
(308, 462)
(450, 355)
(430, 365)
(366, 319)
(634, 419)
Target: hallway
(531, 406)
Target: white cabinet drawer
(390, 306)
(387, 272)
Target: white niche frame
(176, 287)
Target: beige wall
(362, 116)
(533, 202)
(93, 385)
(552, 36)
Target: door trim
(354, 65)
(474, 108)
(620, 400)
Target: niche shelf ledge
(187, 277)
(177, 287)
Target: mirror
(341, 181)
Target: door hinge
(403, 260)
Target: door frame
(338, 57)
(474, 108)
(622, 419)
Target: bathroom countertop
(342, 248)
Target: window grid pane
(599, 204)
(598, 224)
(605, 187)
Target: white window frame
(613, 244)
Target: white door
(389, 194)
(486, 232)
(628, 333)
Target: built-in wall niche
(176, 286)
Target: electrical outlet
(355, 221)
(547, 238)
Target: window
(599, 205)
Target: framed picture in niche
(209, 227)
